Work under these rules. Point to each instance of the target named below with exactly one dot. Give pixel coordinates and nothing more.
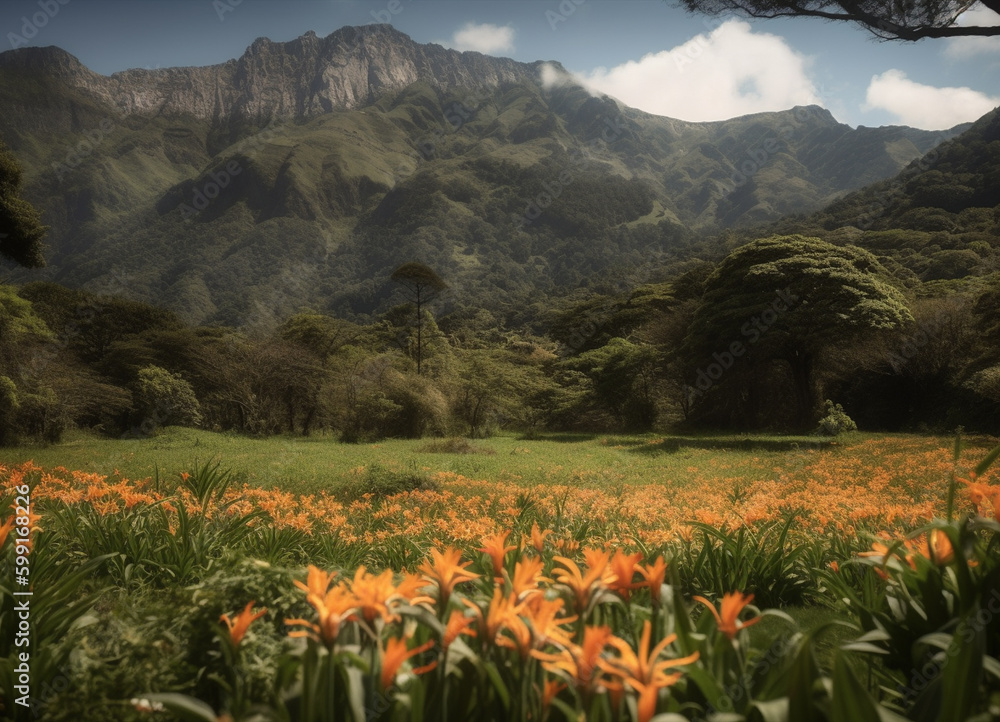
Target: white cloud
(964, 48)
(729, 72)
(483, 38)
(924, 106)
(553, 77)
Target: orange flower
(373, 594)
(732, 605)
(642, 672)
(552, 688)
(835, 567)
(935, 546)
(567, 546)
(584, 586)
(538, 537)
(395, 653)
(655, 574)
(546, 624)
(502, 614)
(238, 627)
(409, 589)
(334, 608)
(5, 530)
(878, 550)
(579, 664)
(527, 577)
(494, 546)
(446, 572)
(317, 581)
(458, 623)
(623, 567)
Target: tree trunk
(801, 363)
(420, 327)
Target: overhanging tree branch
(889, 21)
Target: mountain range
(302, 173)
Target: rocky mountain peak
(350, 68)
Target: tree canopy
(913, 20)
(788, 298)
(21, 229)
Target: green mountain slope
(939, 218)
(304, 172)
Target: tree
(21, 229)
(912, 20)
(788, 298)
(422, 286)
(163, 399)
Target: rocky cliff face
(350, 68)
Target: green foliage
(788, 298)
(163, 399)
(622, 376)
(763, 562)
(835, 421)
(381, 481)
(21, 229)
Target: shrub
(382, 482)
(835, 421)
(163, 399)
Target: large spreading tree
(787, 299)
(907, 20)
(21, 229)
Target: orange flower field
(605, 599)
(827, 493)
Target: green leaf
(355, 684)
(987, 461)
(851, 701)
(773, 710)
(963, 670)
(187, 708)
(494, 674)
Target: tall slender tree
(422, 285)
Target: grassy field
(316, 464)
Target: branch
(852, 12)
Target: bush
(835, 421)
(381, 482)
(163, 399)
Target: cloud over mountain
(728, 72)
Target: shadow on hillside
(673, 444)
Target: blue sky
(648, 53)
